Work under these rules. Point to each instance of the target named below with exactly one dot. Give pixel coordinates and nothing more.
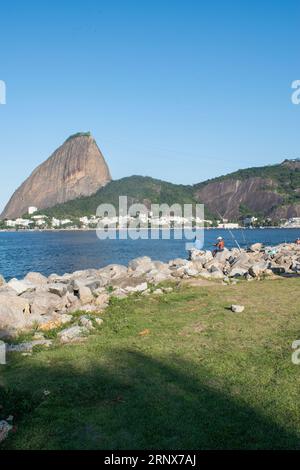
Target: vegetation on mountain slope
(138, 189)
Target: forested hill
(269, 191)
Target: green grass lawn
(202, 378)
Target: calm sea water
(61, 252)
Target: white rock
(72, 334)
(139, 288)
(21, 286)
(36, 278)
(237, 308)
(158, 292)
(87, 322)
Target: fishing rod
(233, 237)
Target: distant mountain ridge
(270, 192)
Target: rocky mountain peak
(77, 168)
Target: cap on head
(220, 238)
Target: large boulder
(113, 272)
(258, 269)
(91, 282)
(216, 273)
(44, 303)
(36, 278)
(21, 286)
(14, 315)
(161, 272)
(140, 266)
(256, 247)
(201, 256)
(178, 263)
(222, 256)
(58, 288)
(237, 271)
(85, 295)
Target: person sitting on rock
(220, 245)
(297, 241)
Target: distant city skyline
(180, 91)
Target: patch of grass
(201, 378)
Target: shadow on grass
(132, 402)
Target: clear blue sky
(179, 90)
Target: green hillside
(140, 189)
(286, 175)
(147, 190)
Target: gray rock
(91, 282)
(256, 247)
(258, 269)
(14, 315)
(158, 292)
(85, 295)
(36, 278)
(28, 346)
(58, 288)
(64, 318)
(201, 256)
(167, 290)
(102, 300)
(191, 272)
(205, 274)
(2, 353)
(72, 334)
(89, 308)
(139, 288)
(157, 276)
(113, 271)
(65, 279)
(44, 303)
(178, 263)
(179, 272)
(5, 428)
(217, 274)
(143, 261)
(222, 256)
(86, 322)
(237, 272)
(21, 286)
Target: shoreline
(143, 229)
(41, 299)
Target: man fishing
(220, 245)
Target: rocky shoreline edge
(73, 303)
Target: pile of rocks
(251, 263)
(49, 302)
